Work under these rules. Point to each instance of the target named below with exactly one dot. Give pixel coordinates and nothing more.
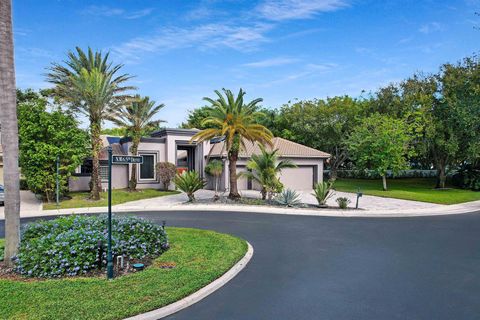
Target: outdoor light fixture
(138, 266)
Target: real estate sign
(127, 159)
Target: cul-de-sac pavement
(307, 267)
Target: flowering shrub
(68, 246)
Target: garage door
(297, 178)
(242, 182)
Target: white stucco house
(173, 145)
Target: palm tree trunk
(9, 127)
(96, 146)
(232, 171)
(132, 184)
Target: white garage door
(300, 178)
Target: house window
(104, 173)
(147, 168)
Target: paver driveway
(344, 268)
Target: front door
(185, 158)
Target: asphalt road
(344, 268)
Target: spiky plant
(288, 198)
(189, 182)
(322, 192)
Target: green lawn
(200, 257)
(80, 199)
(419, 189)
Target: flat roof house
(173, 145)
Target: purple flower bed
(68, 246)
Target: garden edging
(200, 294)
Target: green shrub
(288, 198)
(166, 171)
(189, 182)
(467, 178)
(343, 202)
(322, 192)
(68, 246)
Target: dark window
(147, 169)
(86, 167)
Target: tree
(44, 136)
(265, 168)
(90, 84)
(237, 122)
(382, 144)
(195, 118)
(9, 127)
(321, 124)
(119, 132)
(166, 171)
(215, 169)
(137, 119)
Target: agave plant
(288, 198)
(323, 192)
(343, 202)
(189, 182)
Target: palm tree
(136, 118)
(9, 129)
(88, 83)
(265, 168)
(215, 169)
(237, 122)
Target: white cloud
(208, 36)
(278, 10)
(139, 14)
(270, 62)
(430, 27)
(105, 11)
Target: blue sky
(180, 51)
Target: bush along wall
(467, 178)
(68, 246)
(370, 174)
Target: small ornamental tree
(44, 136)
(381, 143)
(215, 169)
(166, 171)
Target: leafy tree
(382, 144)
(321, 124)
(237, 121)
(119, 132)
(195, 119)
(89, 83)
(166, 171)
(9, 127)
(137, 119)
(44, 136)
(265, 168)
(215, 169)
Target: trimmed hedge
(370, 174)
(68, 246)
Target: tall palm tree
(9, 130)
(265, 168)
(237, 122)
(89, 83)
(136, 118)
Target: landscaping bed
(195, 258)
(119, 196)
(416, 189)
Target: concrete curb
(200, 294)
